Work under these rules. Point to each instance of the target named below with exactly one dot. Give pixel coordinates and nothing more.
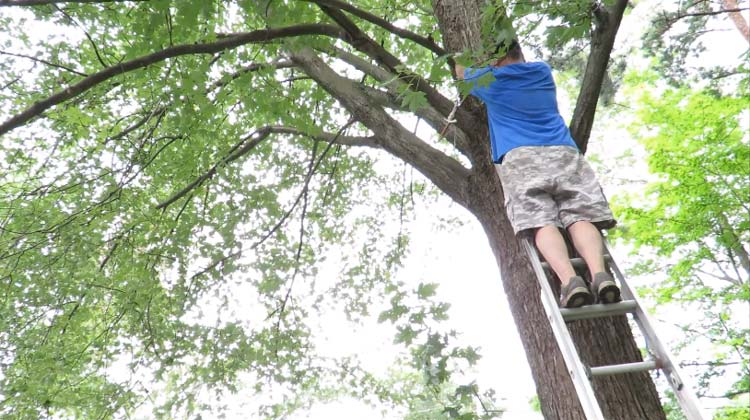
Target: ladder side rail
(685, 396)
(578, 373)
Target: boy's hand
(460, 71)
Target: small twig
(85, 32)
(237, 151)
(48, 63)
(728, 395)
(109, 255)
(313, 168)
(300, 243)
(712, 364)
(710, 13)
(451, 118)
(10, 83)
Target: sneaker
(605, 289)
(575, 294)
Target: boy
(546, 181)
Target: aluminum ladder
(580, 374)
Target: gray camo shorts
(551, 185)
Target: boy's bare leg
(588, 242)
(551, 244)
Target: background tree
(691, 222)
(173, 149)
(701, 157)
(679, 33)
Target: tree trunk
(600, 342)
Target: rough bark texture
(600, 342)
(602, 39)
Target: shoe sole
(578, 297)
(609, 292)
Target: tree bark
(602, 40)
(600, 342)
(737, 18)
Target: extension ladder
(580, 374)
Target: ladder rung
(623, 368)
(598, 310)
(578, 262)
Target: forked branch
(359, 40)
(403, 33)
(390, 99)
(445, 172)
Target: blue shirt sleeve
(472, 76)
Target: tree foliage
(695, 217)
(177, 177)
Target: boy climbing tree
(547, 183)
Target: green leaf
(413, 100)
(426, 290)
(406, 335)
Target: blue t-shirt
(521, 107)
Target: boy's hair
(512, 51)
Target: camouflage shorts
(551, 185)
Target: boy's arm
(471, 75)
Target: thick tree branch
(227, 42)
(378, 73)
(460, 23)
(602, 40)
(403, 33)
(445, 172)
